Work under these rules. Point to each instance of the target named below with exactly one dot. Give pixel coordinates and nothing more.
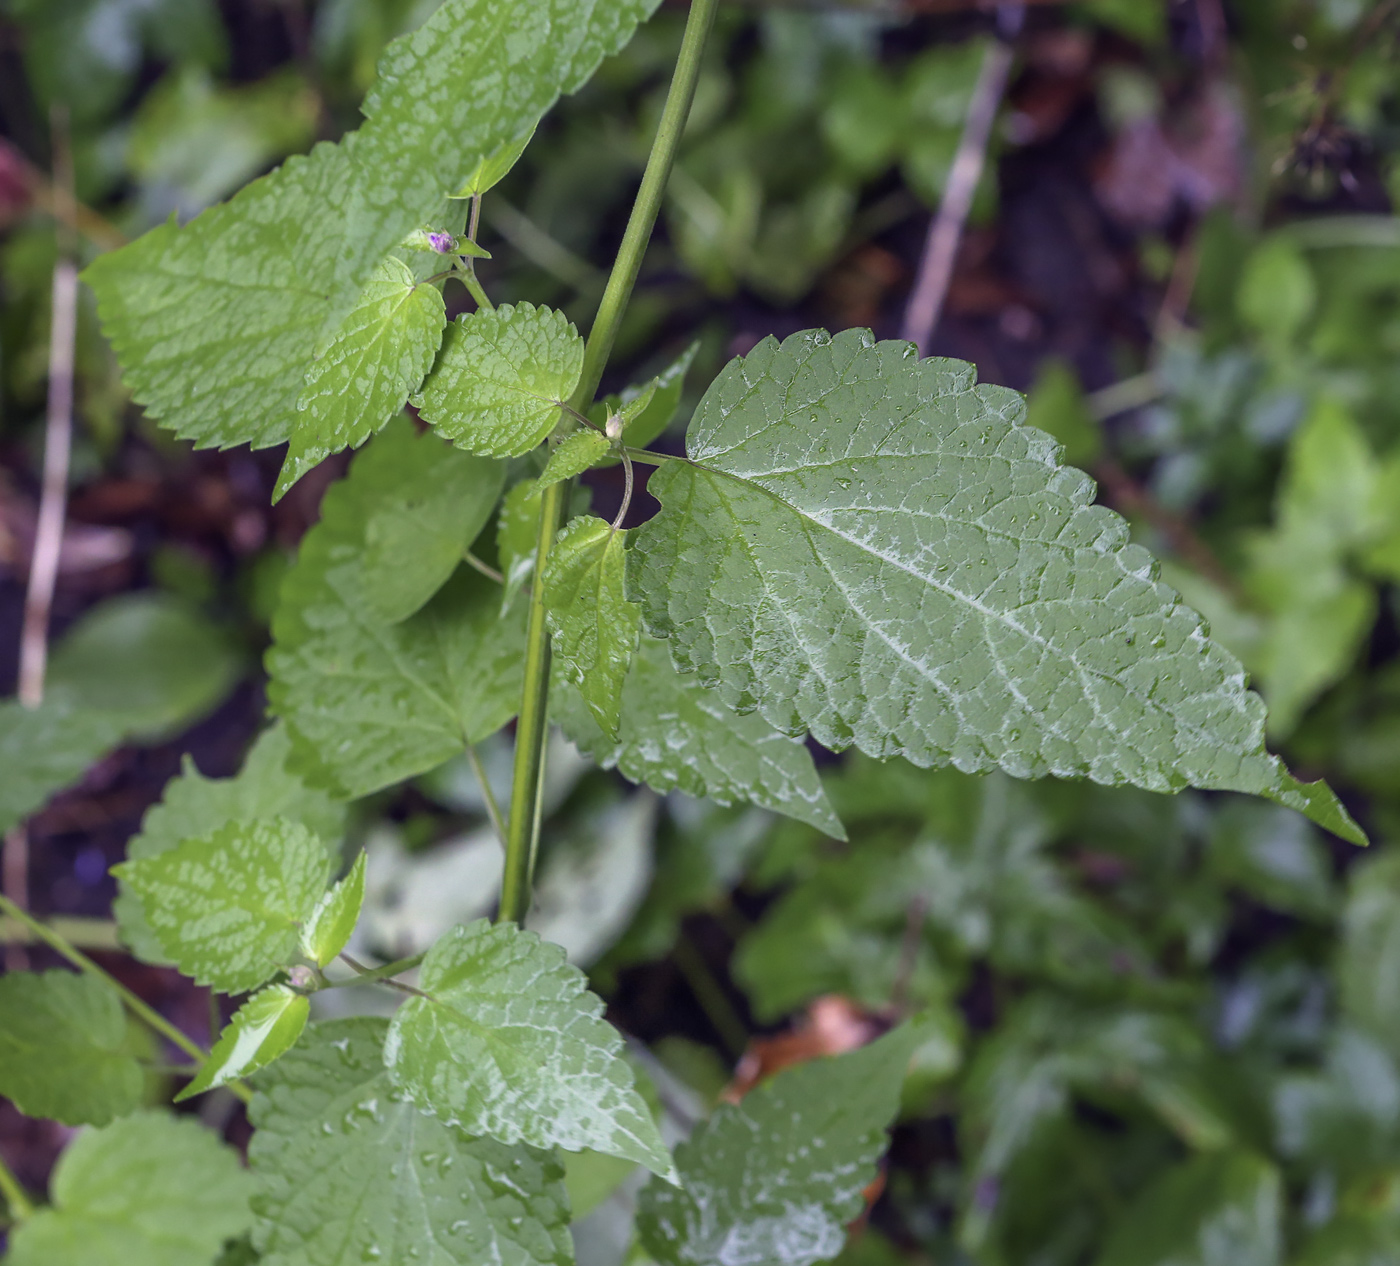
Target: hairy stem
(532, 729)
(147, 1014)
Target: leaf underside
(874, 548)
(351, 1171)
(677, 734)
(510, 1044)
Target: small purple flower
(443, 243)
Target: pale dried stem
(945, 232)
(53, 499)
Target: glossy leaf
(227, 908)
(675, 734)
(424, 503)
(577, 452)
(1223, 1209)
(510, 1044)
(370, 703)
(327, 930)
(775, 1179)
(65, 1049)
(501, 378)
(369, 367)
(350, 1171)
(194, 806)
(151, 1188)
(216, 324)
(594, 627)
(263, 1028)
(873, 547)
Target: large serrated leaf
(594, 627)
(875, 548)
(216, 324)
(676, 734)
(509, 1043)
(64, 1049)
(501, 378)
(368, 369)
(152, 1188)
(370, 702)
(194, 806)
(774, 1180)
(350, 1171)
(227, 908)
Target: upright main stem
(523, 827)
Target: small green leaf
(492, 169)
(374, 361)
(501, 379)
(591, 1177)
(424, 503)
(594, 627)
(578, 451)
(264, 1028)
(64, 1049)
(1056, 406)
(44, 749)
(1221, 1209)
(660, 398)
(510, 1044)
(517, 535)
(194, 806)
(872, 547)
(227, 908)
(370, 703)
(148, 659)
(150, 1189)
(676, 734)
(350, 1171)
(327, 930)
(783, 1172)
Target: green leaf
(374, 361)
(350, 1171)
(227, 908)
(658, 401)
(216, 324)
(424, 503)
(873, 547)
(64, 1049)
(1056, 406)
(510, 1044)
(1277, 290)
(370, 703)
(783, 1172)
(502, 376)
(676, 734)
(494, 167)
(264, 1028)
(594, 627)
(591, 1177)
(517, 535)
(579, 451)
(152, 1188)
(1368, 965)
(330, 924)
(44, 749)
(1224, 1209)
(148, 659)
(194, 806)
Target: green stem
(147, 1014)
(488, 796)
(374, 975)
(474, 287)
(532, 730)
(20, 1205)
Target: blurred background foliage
(1168, 1029)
